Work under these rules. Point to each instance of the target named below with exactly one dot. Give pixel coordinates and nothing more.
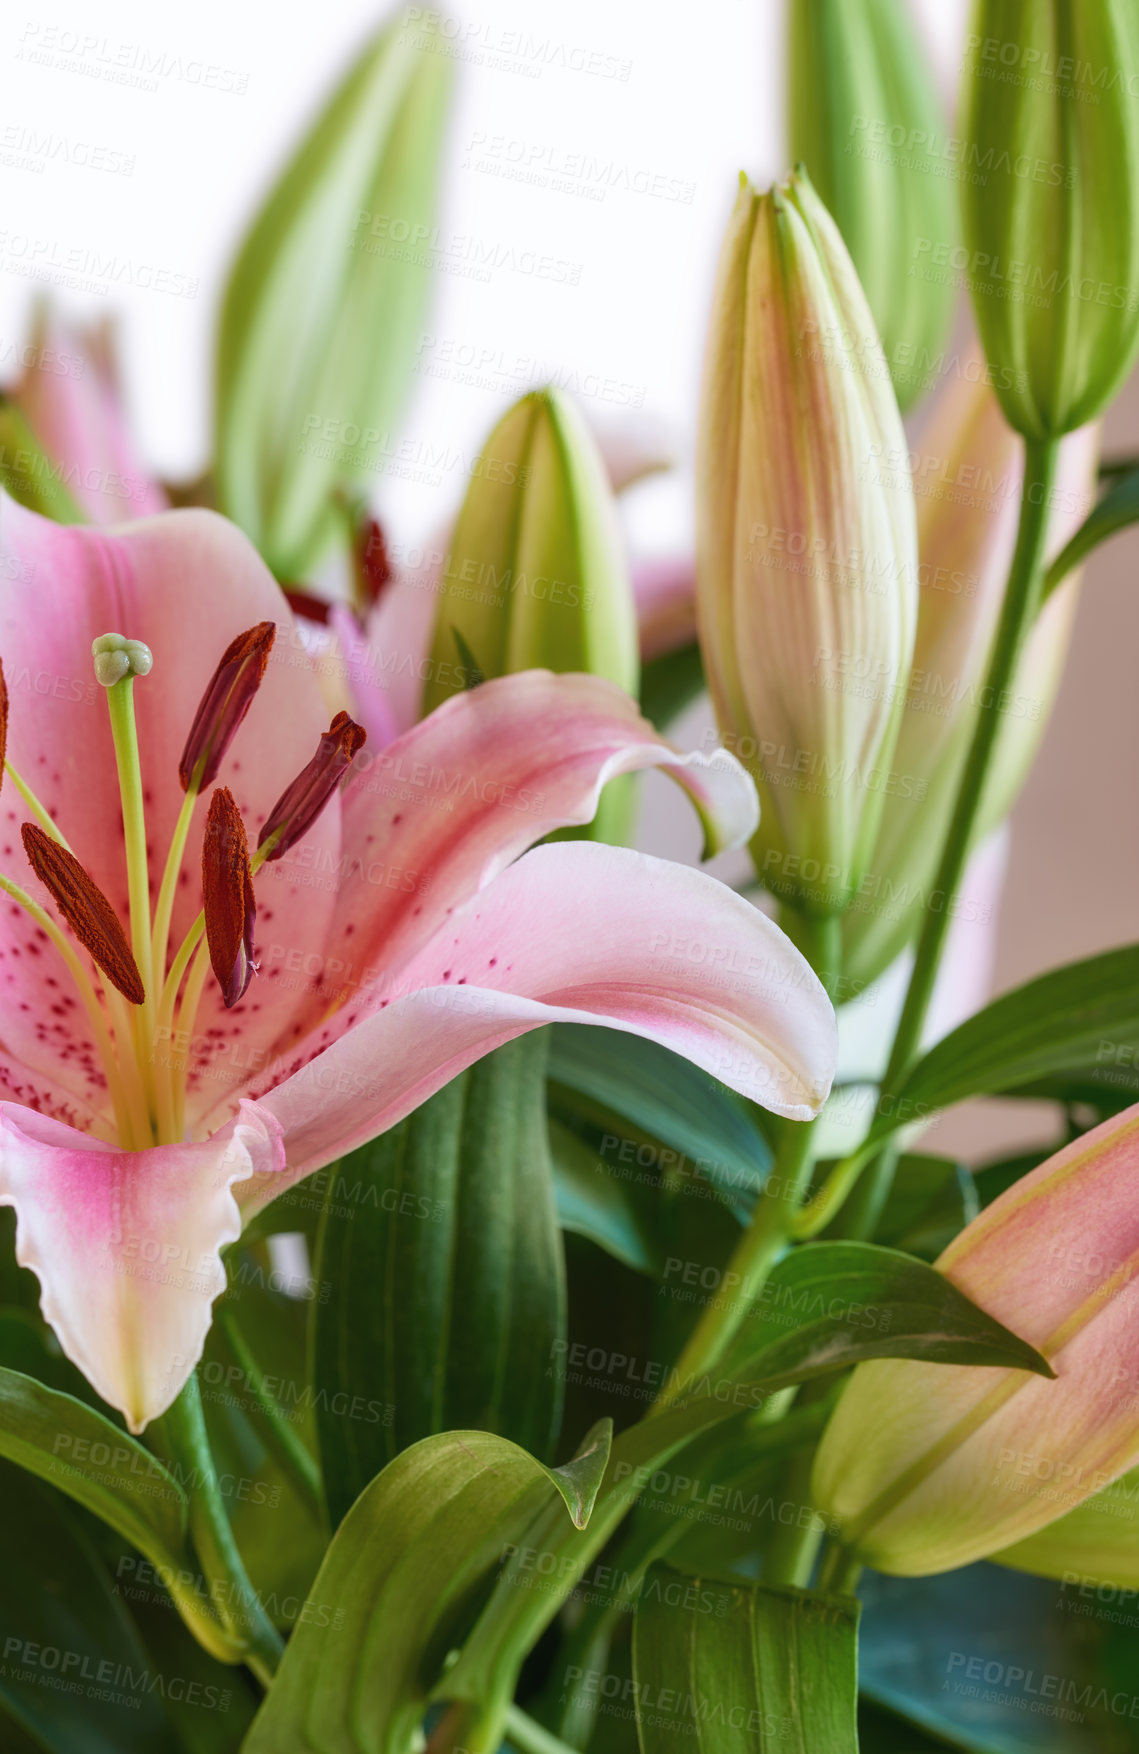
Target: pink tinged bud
(225, 703)
(806, 555)
(227, 893)
(301, 803)
(928, 1467)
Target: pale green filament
(120, 703)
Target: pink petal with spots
(583, 933)
(186, 582)
(126, 1244)
(71, 398)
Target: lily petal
(126, 1244)
(581, 933)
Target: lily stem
(241, 1609)
(772, 1224)
(1018, 611)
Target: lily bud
(968, 468)
(806, 552)
(866, 122)
(303, 800)
(535, 575)
(1052, 227)
(1097, 1543)
(325, 301)
(928, 1467)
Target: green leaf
(1118, 508)
(409, 1567)
(317, 340)
(776, 1667)
(1068, 1019)
(440, 1246)
(74, 1674)
(622, 1218)
(706, 1128)
(670, 683)
(826, 1306)
(76, 1449)
(931, 1200)
(994, 1662)
(849, 1301)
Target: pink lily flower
(400, 925)
(71, 397)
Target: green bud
(1052, 220)
(866, 122)
(29, 474)
(535, 574)
(325, 300)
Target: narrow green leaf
(409, 1566)
(844, 1302)
(1074, 1018)
(73, 1672)
(996, 1663)
(777, 1668)
(440, 1247)
(1118, 508)
(705, 1126)
(619, 1217)
(71, 1446)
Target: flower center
(135, 1015)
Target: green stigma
(116, 657)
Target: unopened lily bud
(1052, 226)
(1095, 1545)
(806, 550)
(228, 697)
(968, 468)
(326, 300)
(535, 575)
(302, 802)
(866, 122)
(926, 1467)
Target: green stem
(183, 1427)
(840, 1572)
(1021, 601)
(772, 1223)
(284, 1441)
(530, 1736)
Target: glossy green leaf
(317, 341)
(440, 1251)
(1118, 508)
(771, 1668)
(829, 1304)
(997, 1663)
(705, 1127)
(74, 1674)
(931, 1200)
(1074, 1018)
(826, 1306)
(620, 1217)
(409, 1567)
(75, 1448)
